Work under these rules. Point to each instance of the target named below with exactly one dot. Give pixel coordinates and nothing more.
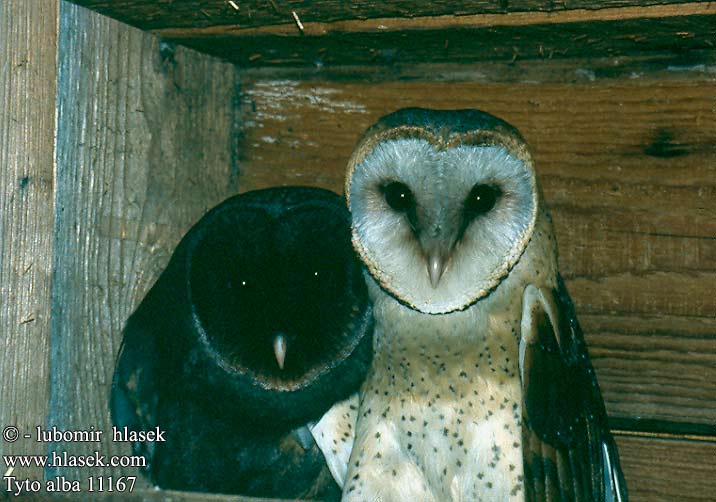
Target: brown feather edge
(502, 135)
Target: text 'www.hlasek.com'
(56, 459)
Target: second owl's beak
(279, 349)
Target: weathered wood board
(628, 167)
(28, 46)
(145, 145)
(329, 33)
(461, 41)
(665, 470)
(262, 13)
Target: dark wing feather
(133, 400)
(207, 450)
(569, 453)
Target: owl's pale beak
(437, 239)
(436, 267)
(279, 349)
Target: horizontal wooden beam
(664, 66)
(283, 33)
(662, 469)
(171, 14)
(307, 27)
(466, 45)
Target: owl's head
(278, 312)
(443, 204)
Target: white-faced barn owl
(480, 387)
(258, 325)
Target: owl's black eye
(398, 196)
(482, 198)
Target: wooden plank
(628, 168)
(445, 23)
(664, 470)
(145, 145)
(659, 65)
(28, 44)
(464, 44)
(330, 33)
(258, 13)
(656, 372)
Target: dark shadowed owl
(258, 325)
(480, 387)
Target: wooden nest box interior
(122, 122)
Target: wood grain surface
(28, 44)
(628, 168)
(145, 146)
(260, 13)
(667, 470)
(330, 33)
(459, 41)
(663, 66)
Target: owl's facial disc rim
(265, 382)
(514, 145)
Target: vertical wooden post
(28, 43)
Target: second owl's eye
(398, 196)
(482, 198)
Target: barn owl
(480, 387)
(259, 324)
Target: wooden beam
(213, 14)
(446, 21)
(369, 33)
(663, 66)
(508, 43)
(663, 470)
(28, 44)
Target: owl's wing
(334, 433)
(133, 399)
(569, 453)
